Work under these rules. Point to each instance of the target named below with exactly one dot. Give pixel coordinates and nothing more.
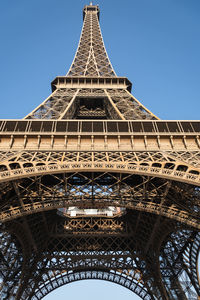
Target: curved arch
(186, 174)
(150, 207)
(107, 186)
(90, 289)
(116, 277)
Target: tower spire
(91, 58)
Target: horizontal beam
(87, 141)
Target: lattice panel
(190, 157)
(176, 264)
(54, 106)
(190, 260)
(129, 106)
(117, 262)
(11, 261)
(162, 164)
(119, 102)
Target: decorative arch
(133, 284)
(163, 164)
(181, 173)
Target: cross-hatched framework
(95, 186)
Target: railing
(99, 126)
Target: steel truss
(77, 158)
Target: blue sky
(155, 43)
(92, 290)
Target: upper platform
(91, 8)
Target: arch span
(92, 289)
(186, 175)
(150, 207)
(131, 283)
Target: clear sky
(92, 290)
(155, 43)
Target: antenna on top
(91, 3)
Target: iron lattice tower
(93, 185)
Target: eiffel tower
(95, 186)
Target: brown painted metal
(130, 180)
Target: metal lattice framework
(94, 186)
(91, 59)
